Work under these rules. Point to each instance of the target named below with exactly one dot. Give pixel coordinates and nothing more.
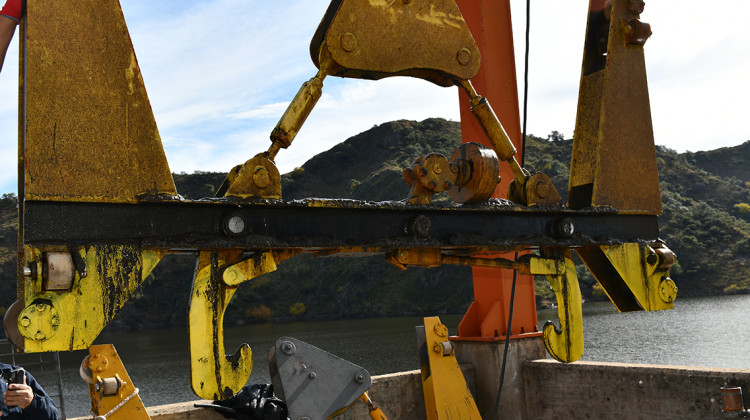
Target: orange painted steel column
(487, 317)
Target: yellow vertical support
(446, 395)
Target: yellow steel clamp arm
(213, 374)
(566, 344)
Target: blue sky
(220, 72)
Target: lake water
(712, 332)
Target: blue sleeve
(42, 407)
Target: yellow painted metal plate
(104, 363)
(614, 160)
(445, 391)
(88, 130)
(71, 321)
(372, 39)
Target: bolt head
(348, 42)
(360, 378)
(288, 348)
(25, 322)
(463, 56)
(236, 225)
(564, 228)
(542, 189)
(261, 178)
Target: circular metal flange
(39, 321)
(478, 173)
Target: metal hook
(213, 374)
(566, 343)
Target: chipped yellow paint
(566, 344)
(438, 18)
(643, 279)
(546, 266)
(249, 269)
(113, 273)
(213, 374)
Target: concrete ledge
(399, 395)
(178, 411)
(595, 390)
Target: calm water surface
(710, 332)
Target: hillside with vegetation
(706, 221)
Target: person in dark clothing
(26, 400)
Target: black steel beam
(318, 224)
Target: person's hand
(19, 395)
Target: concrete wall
(489, 356)
(552, 390)
(586, 390)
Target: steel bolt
(40, 307)
(542, 189)
(230, 275)
(25, 322)
(463, 56)
(420, 226)
(261, 178)
(236, 225)
(437, 168)
(312, 375)
(564, 228)
(360, 378)
(348, 42)
(40, 336)
(55, 321)
(288, 348)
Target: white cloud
(262, 112)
